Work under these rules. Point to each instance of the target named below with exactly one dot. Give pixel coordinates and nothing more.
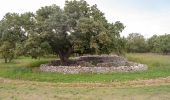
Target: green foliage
(156, 44)
(7, 51)
(160, 44)
(152, 43)
(28, 23)
(34, 47)
(10, 34)
(37, 63)
(165, 44)
(136, 43)
(19, 49)
(78, 28)
(121, 47)
(20, 32)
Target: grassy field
(21, 80)
(28, 90)
(24, 68)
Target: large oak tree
(78, 28)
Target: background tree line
(155, 44)
(77, 28)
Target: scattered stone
(78, 69)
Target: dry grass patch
(154, 89)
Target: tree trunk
(6, 60)
(64, 56)
(64, 60)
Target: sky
(147, 17)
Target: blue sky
(147, 17)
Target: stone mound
(94, 64)
(104, 60)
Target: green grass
(25, 69)
(47, 91)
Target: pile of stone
(94, 64)
(104, 60)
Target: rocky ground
(94, 64)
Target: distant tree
(14, 31)
(136, 43)
(159, 44)
(153, 43)
(164, 43)
(7, 51)
(121, 47)
(10, 34)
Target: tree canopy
(77, 28)
(159, 44)
(136, 43)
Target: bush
(36, 63)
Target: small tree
(7, 51)
(152, 44)
(35, 47)
(159, 44)
(164, 44)
(10, 34)
(136, 43)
